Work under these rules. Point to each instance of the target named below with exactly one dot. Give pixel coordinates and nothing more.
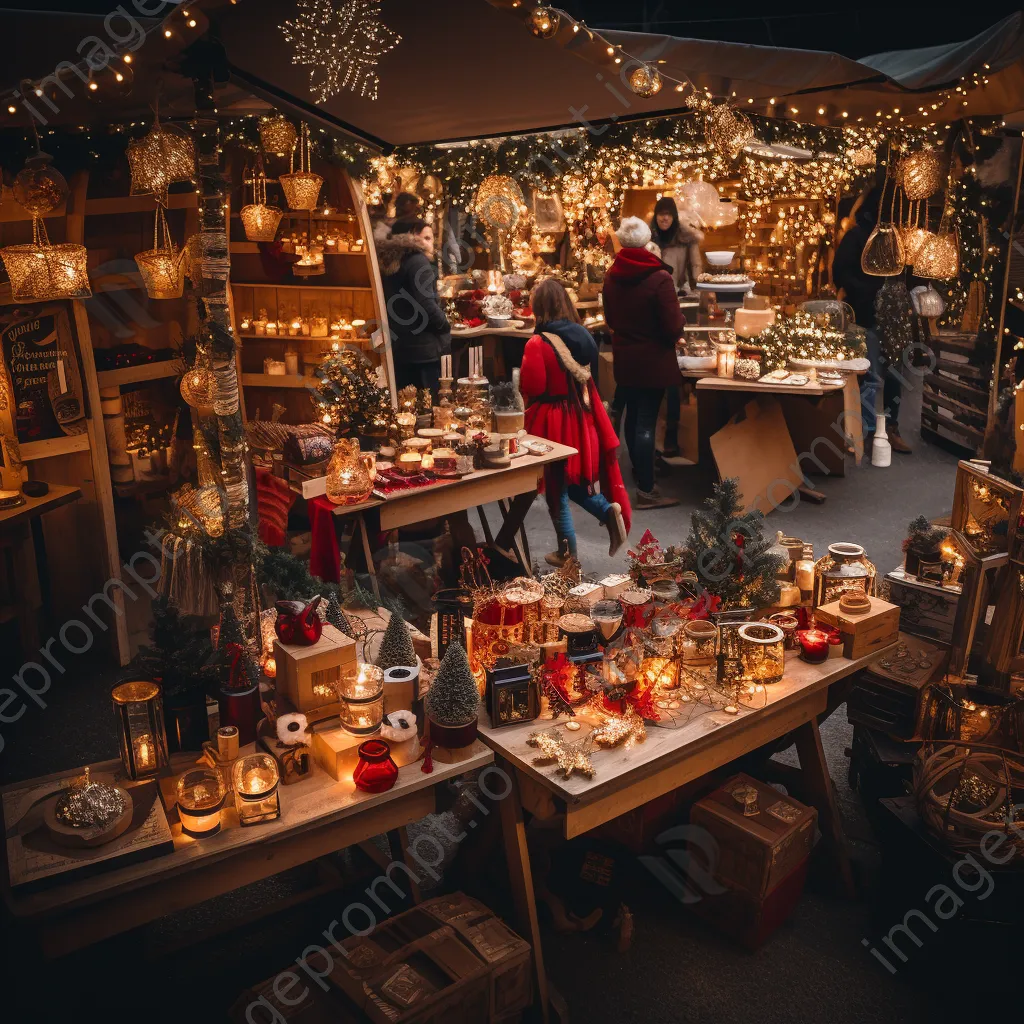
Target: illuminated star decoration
(571, 757)
(339, 45)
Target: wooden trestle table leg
(521, 878)
(818, 786)
(368, 552)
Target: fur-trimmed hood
(391, 251)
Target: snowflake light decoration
(340, 45)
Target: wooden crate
(336, 751)
(954, 398)
(865, 632)
(1000, 515)
(926, 609)
(307, 676)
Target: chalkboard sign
(42, 366)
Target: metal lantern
(498, 200)
(277, 135)
(141, 736)
(921, 174)
(302, 187)
(883, 254)
(645, 81)
(543, 22)
(162, 268)
(37, 187)
(259, 220)
(199, 385)
(44, 271)
(939, 257)
(166, 155)
(762, 649)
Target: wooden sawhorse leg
(817, 784)
(521, 877)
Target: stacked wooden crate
(954, 402)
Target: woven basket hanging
(883, 254)
(163, 156)
(301, 187)
(939, 257)
(921, 174)
(199, 384)
(43, 271)
(162, 267)
(259, 220)
(277, 135)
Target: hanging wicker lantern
(939, 257)
(727, 130)
(645, 81)
(163, 267)
(883, 252)
(44, 271)
(543, 22)
(921, 174)
(498, 200)
(163, 156)
(259, 220)
(199, 385)
(38, 187)
(277, 135)
(913, 239)
(302, 187)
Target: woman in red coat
(643, 314)
(557, 381)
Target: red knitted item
(324, 554)
(274, 499)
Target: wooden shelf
(275, 380)
(139, 204)
(253, 248)
(137, 374)
(305, 287)
(31, 450)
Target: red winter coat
(544, 380)
(643, 314)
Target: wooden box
(308, 676)
(757, 851)
(336, 751)
(448, 961)
(376, 621)
(926, 609)
(890, 696)
(864, 633)
(986, 511)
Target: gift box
(862, 632)
(762, 836)
(308, 676)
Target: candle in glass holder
(255, 779)
(362, 698)
(376, 771)
(271, 327)
(409, 463)
(813, 645)
(726, 356)
(200, 796)
(406, 424)
(295, 328)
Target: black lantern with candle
(141, 736)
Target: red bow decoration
(705, 606)
(641, 701)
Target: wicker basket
(44, 271)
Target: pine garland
(894, 319)
(729, 551)
(396, 645)
(453, 698)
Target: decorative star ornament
(571, 757)
(340, 45)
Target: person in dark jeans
(643, 314)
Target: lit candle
(814, 645)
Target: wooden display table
(669, 758)
(318, 816)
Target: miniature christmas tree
(180, 655)
(335, 617)
(349, 397)
(396, 645)
(453, 698)
(729, 552)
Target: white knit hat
(633, 233)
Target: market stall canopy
(471, 68)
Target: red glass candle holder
(376, 772)
(813, 645)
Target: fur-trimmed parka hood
(391, 251)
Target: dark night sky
(844, 26)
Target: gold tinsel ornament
(571, 757)
(38, 187)
(939, 257)
(164, 155)
(277, 136)
(727, 130)
(301, 187)
(645, 81)
(543, 21)
(498, 201)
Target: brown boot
(898, 444)
(654, 499)
(554, 558)
(616, 528)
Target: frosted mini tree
(396, 647)
(453, 698)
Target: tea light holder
(362, 700)
(271, 327)
(700, 641)
(141, 736)
(409, 463)
(256, 782)
(789, 624)
(200, 796)
(726, 359)
(762, 648)
(376, 771)
(814, 645)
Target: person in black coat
(420, 333)
(860, 290)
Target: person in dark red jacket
(557, 381)
(643, 315)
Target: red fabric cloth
(593, 436)
(324, 554)
(274, 499)
(643, 314)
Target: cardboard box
(307, 676)
(757, 851)
(864, 633)
(448, 961)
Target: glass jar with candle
(362, 698)
(845, 567)
(700, 640)
(726, 357)
(762, 649)
(813, 645)
(803, 571)
(789, 624)
(348, 482)
(607, 616)
(200, 795)
(256, 779)
(141, 735)
(376, 771)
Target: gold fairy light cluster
(802, 336)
